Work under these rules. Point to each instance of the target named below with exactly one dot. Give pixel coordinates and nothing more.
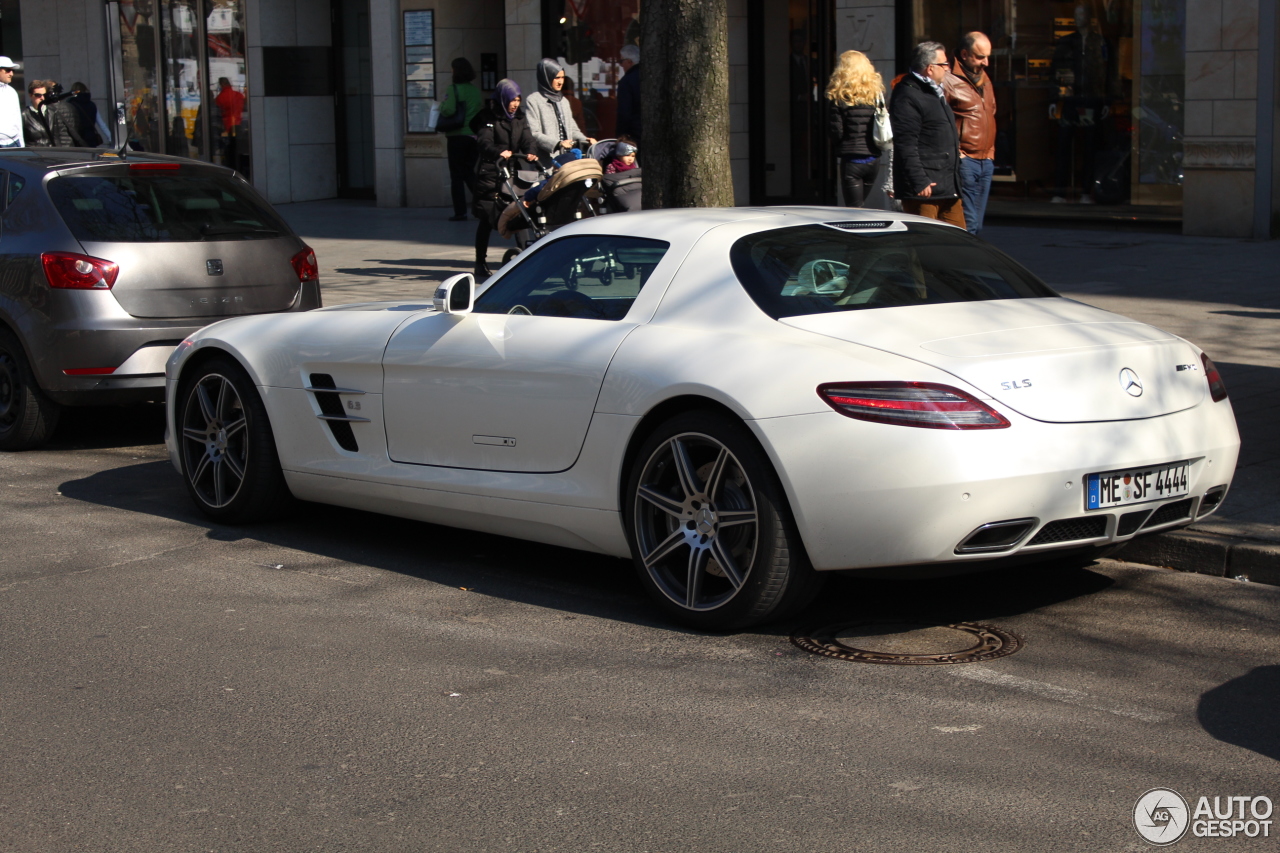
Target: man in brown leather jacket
(973, 99)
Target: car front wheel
(711, 533)
(27, 416)
(228, 452)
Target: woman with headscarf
(549, 115)
(503, 136)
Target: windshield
(816, 269)
(161, 208)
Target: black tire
(722, 505)
(226, 447)
(509, 254)
(27, 417)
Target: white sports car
(738, 399)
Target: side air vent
(1176, 511)
(330, 402)
(1131, 522)
(1071, 529)
(868, 225)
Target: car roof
(661, 224)
(52, 159)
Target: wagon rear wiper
(211, 230)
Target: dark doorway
(791, 54)
(353, 98)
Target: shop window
(1089, 95)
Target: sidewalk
(1221, 294)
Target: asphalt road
(343, 681)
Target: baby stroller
(546, 200)
(621, 191)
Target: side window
(592, 276)
(15, 186)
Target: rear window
(816, 269)
(161, 208)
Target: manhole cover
(906, 642)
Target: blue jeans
(975, 186)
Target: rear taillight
(151, 167)
(917, 404)
(304, 264)
(78, 272)
(1217, 388)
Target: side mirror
(456, 294)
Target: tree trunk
(685, 103)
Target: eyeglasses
(939, 65)
(37, 96)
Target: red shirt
(231, 103)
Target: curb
(1207, 554)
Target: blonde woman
(854, 90)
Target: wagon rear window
(159, 208)
(813, 269)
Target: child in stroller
(621, 184)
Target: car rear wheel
(228, 452)
(711, 533)
(27, 416)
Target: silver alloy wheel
(696, 522)
(214, 440)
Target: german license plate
(1136, 485)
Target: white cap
(6, 62)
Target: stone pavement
(1222, 294)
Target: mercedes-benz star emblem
(1130, 382)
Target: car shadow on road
(561, 578)
(103, 427)
(1243, 711)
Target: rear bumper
(136, 350)
(871, 496)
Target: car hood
(1054, 360)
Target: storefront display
(1090, 95)
(586, 38)
(185, 79)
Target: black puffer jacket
(64, 125)
(851, 127)
(926, 145)
(498, 134)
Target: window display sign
(419, 69)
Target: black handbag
(454, 120)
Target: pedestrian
(854, 91)
(92, 130)
(64, 121)
(973, 100)
(503, 136)
(10, 106)
(230, 104)
(629, 116)
(461, 141)
(548, 115)
(575, 105)
(926, 145)
(35, 127)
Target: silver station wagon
(107, 262)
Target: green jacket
(470, 97)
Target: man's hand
(505, 155)
(532, 158)
(566, 143)
(927, 191)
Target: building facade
(1140, 108)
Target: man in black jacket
(926, 145)
(34, 125)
